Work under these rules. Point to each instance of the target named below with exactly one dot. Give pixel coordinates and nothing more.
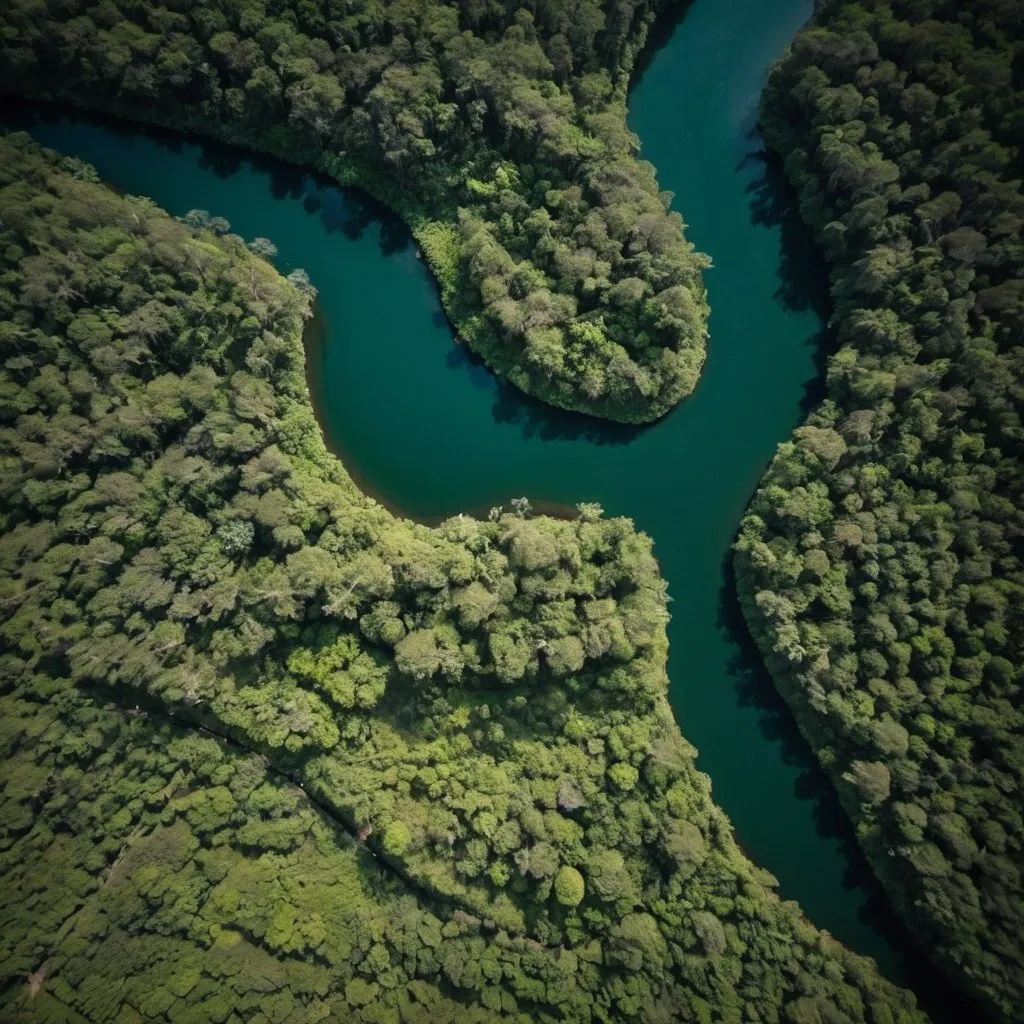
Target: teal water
(425, 428)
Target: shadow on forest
(534, 710)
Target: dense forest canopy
(497, 130)
(881, 559)
(204, 626)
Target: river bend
(425, 428)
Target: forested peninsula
(271, 753)
(496, 130)
(880, 562)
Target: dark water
(427, 429)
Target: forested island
(880, 562)
(271, 752)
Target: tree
(396, 838)
(623, 775)
(569, 886)
(263, 247)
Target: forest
(880, 562)
(497, 131)
(271, 753)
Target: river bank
(443, 435)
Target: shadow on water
(802, 273)
(803, 286)
(657, 36)
(351, 212)
(754, 688)
(223, 161)
(803, 276)
(460, 359)
(533, 417)
(347, 209)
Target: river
(428, 430)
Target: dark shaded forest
(880, 562)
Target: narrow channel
(427, 429)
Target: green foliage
(880, 562)
(498, 132)
(569, 886)
(507, 824)
(396, 838)
(624, 776)
(272, 914)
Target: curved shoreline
(469, 325)
(558, 508)
(434, 282)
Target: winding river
(425, 428)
